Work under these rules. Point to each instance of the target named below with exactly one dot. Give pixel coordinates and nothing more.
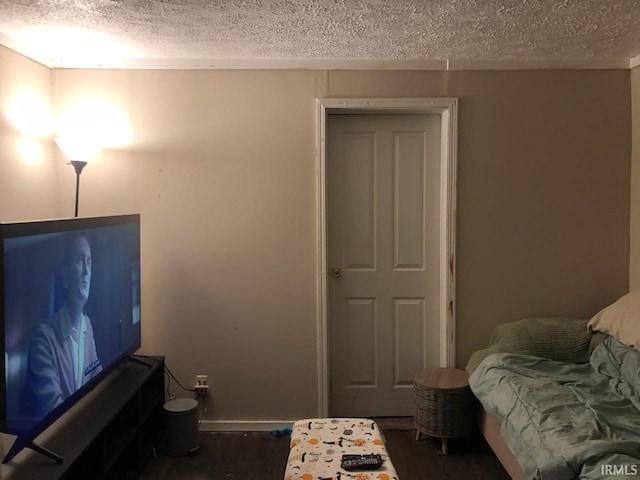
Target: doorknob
(336, 272)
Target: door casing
(447, 108)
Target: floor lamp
(78, 165)
(78, 152)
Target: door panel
(360, 325)
(408, 214)
(382, 230)
(356, 219)
(409, 320)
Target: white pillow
(621, 319)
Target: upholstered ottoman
(317, 446)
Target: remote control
(362, 462)
(351, 457)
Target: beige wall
(28, 173)
(634, 262)
(222, 169)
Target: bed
(551, 418)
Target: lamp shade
(78, 149)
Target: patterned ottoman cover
(317, 446)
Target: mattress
(317, 446)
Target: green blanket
(566, 420)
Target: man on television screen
(62, 352)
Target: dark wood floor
(468, 458)
(261, 456)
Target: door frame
(447, 108)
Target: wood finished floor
(261, 456)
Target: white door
(383, 183)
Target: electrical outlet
(202, 384)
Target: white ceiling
(324, 33)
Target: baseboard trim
(244, 425)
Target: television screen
(70, 294)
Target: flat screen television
(70, 313)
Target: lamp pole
(78, 165)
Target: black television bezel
(37, 227)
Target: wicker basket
(443, 403)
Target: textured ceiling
(186, 33)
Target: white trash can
(181, 426)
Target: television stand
(109, 434)
(139, 360)
(44, 451)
